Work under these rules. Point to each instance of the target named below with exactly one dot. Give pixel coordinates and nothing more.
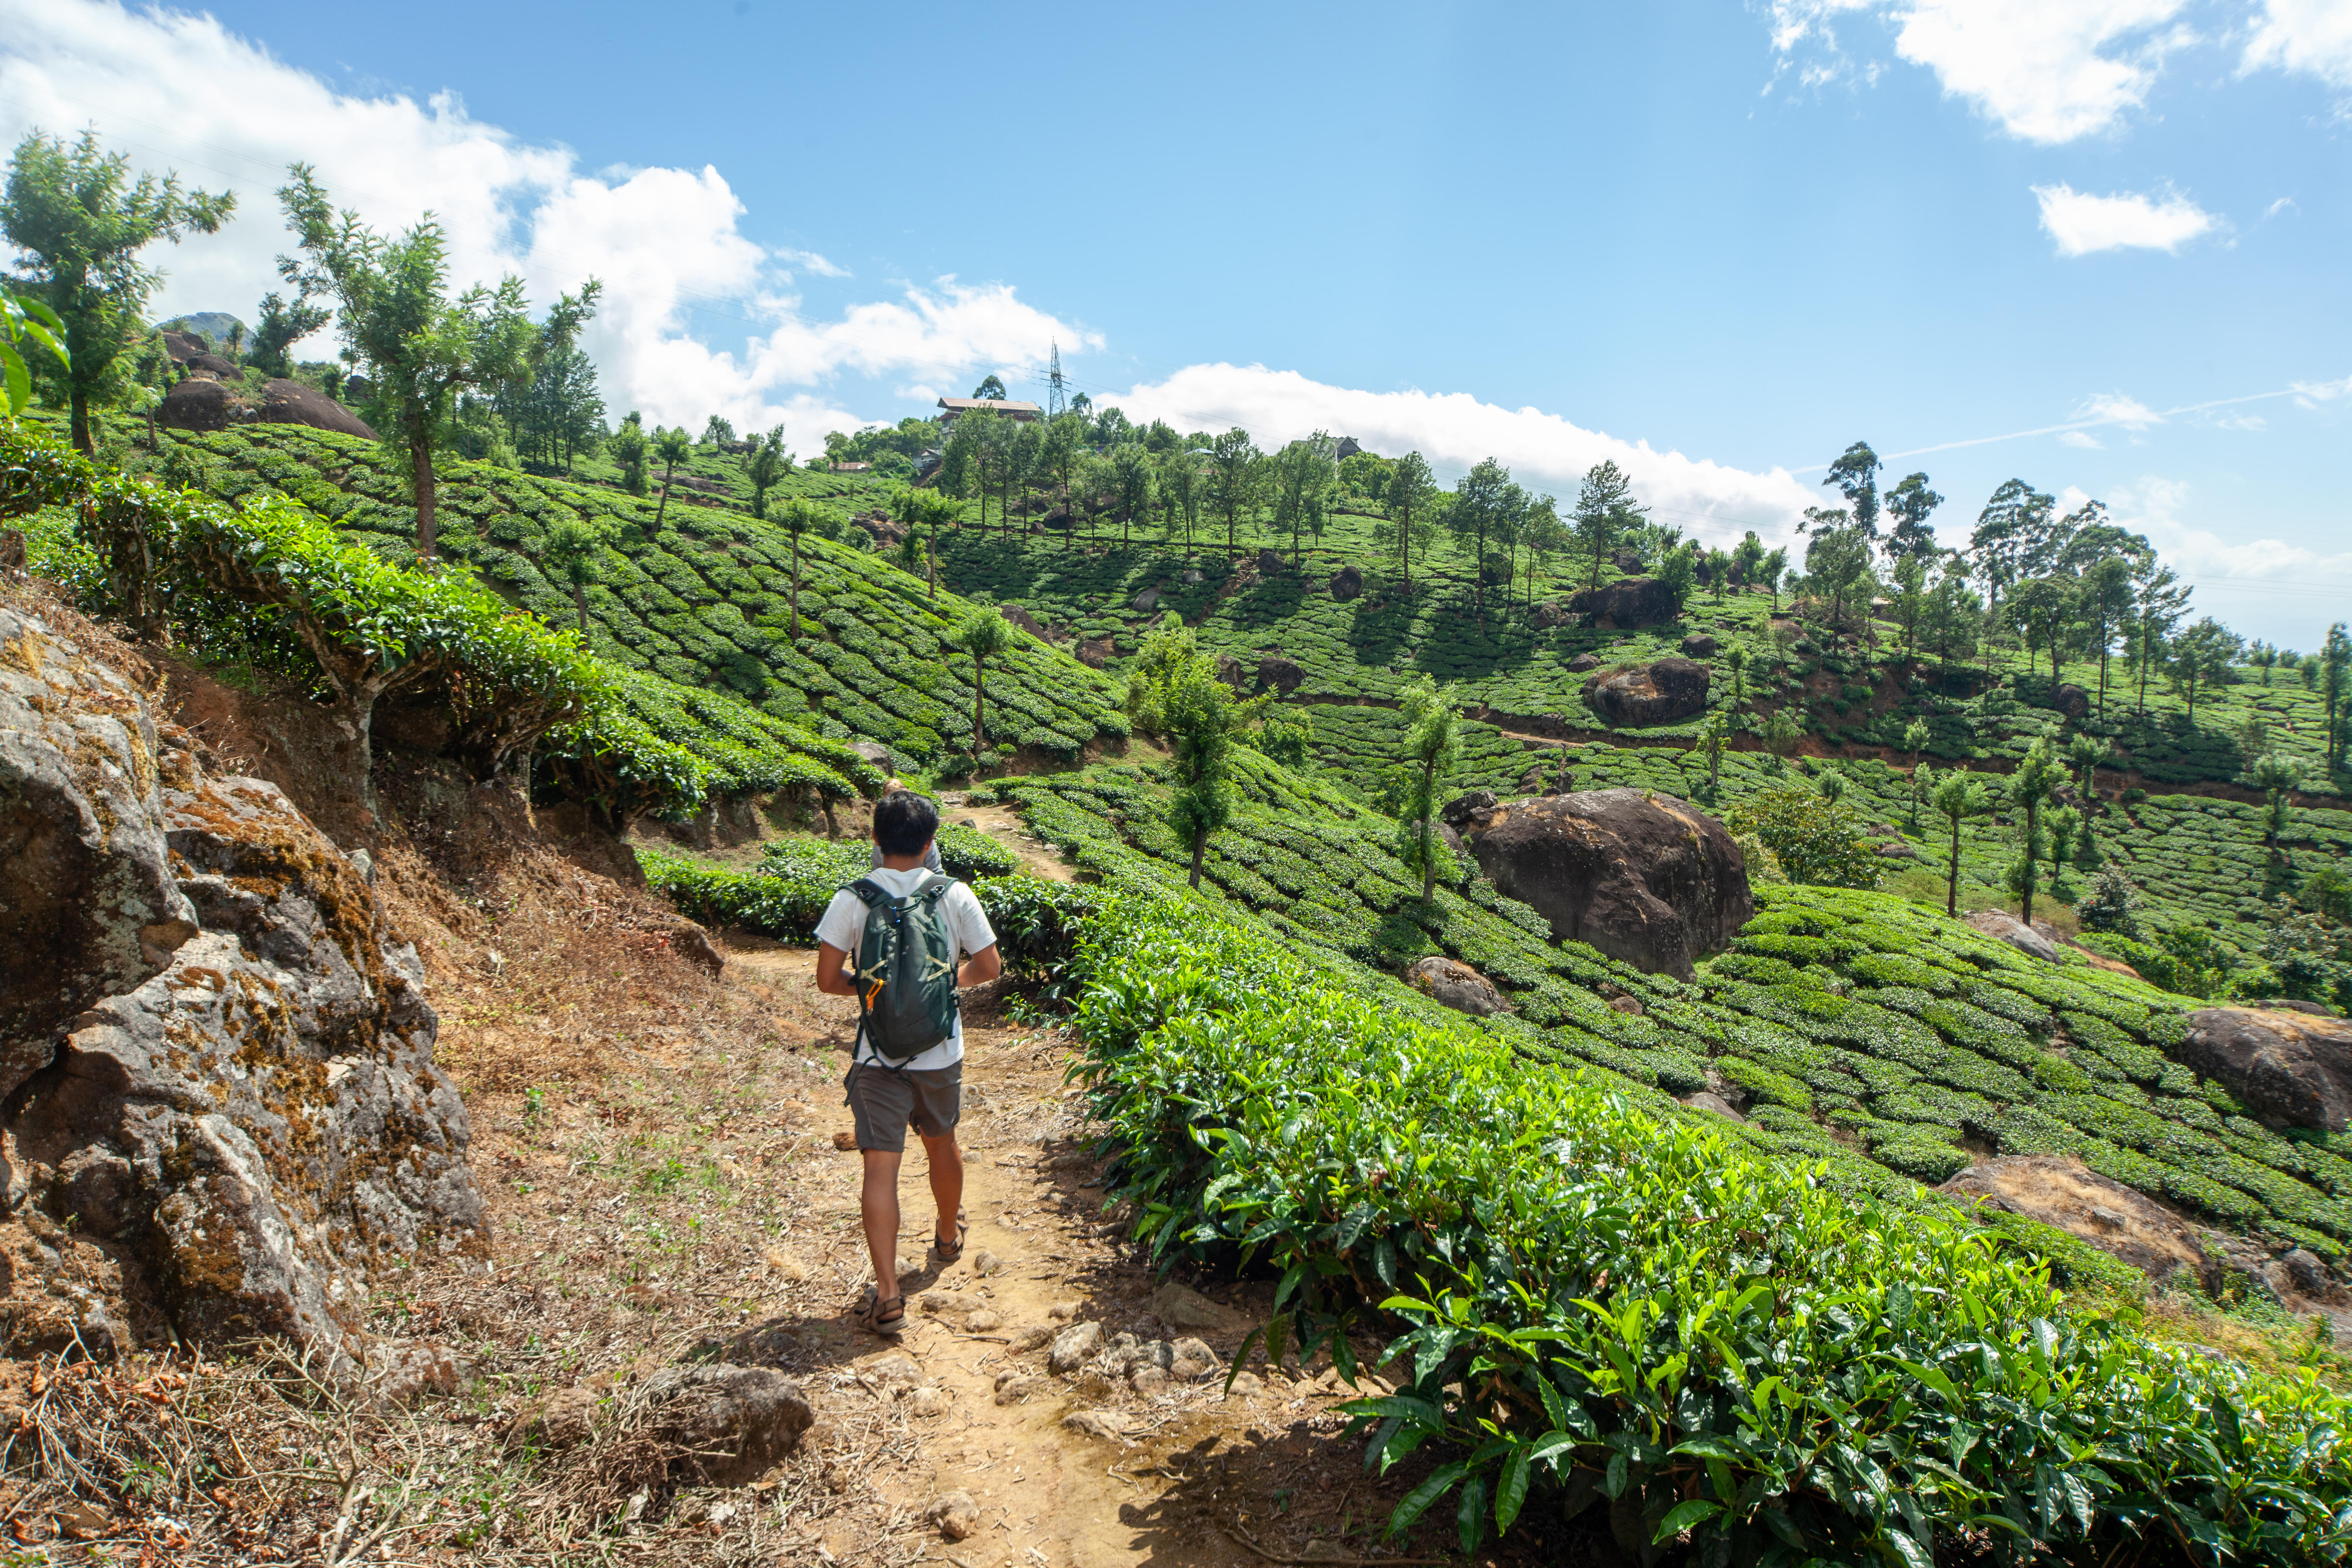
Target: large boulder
(1633, 602)
(241, 1123)
(1023, 619)
(1268, 562)
(1699, 645)
(1644, 878)
(292, 403)
(202, 406)
(1347, 582)
(2292, 1070)
(1282, 673)
(2072, 701)
(217, 366)
(1456, 985)
(1666, 692)
(2002, 926)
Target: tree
(2104, 603)
(991, 387)
(1781, 734)
(1735, 659)
(571, 555)
(1233, 475)
(420, 347)
(1830, 787)
(1183, 485)
(1173, 690)
(282, 326)
(2278, 779)
(1954, 616)
(1837, 560)
(984, 634)
(924, 511)
(2264, 657)
(799, 515)
(1677, 572)
(1485, 503)
(1747, 556)
(2006, 530)
(1768, 573)
(2043, 608)
(2065, 830)
(80, 221)
(1433, 745)
(1910, 598)
(974, 458)
(2029, 792)
(2203, 654)
(628, 448)
(2160, 603)
(1909, 503)
(1957, 797)
(716, 431)
(1545, 535)
(1411, 498)
(1915, 741)
(1605, 512)
(1855, 475)
(1303, 475)
(770, 464)
(2334, 686)
(1131, 477)
(26, 325)
(2083, 756)
(673, 447)
(1714, 736)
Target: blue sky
(1718, 242)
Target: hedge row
(1604, 1310)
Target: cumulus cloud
(2081, 223)
(1454, 430)
(179, 90)
(2044, 70)
(2117, 408)
(2309, 36)
(2288, 590)
(2082, 438)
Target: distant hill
(214, 324)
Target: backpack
(905, 967)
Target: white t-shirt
(844, 926)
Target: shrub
(1810, 840)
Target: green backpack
(905, 967)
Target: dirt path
(1003, 824)
(1086, 1470)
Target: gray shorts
(885, 1104)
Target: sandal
(884, 1315)
(949, 1251)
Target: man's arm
(977, 969)
(832, 964)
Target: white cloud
(2082, 438)
(1454, 430)
(2312, 36)
(2081, 223)
(2117, 408)
(2239, 577)
(181, 91)
(2284, 204)
(2044, 70)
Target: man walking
(892, 940)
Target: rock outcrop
(1699, 645)
(202, 403)
(224, 1110)
(1456, 985)
(2292, 1070)
(1632, 602)
(1348, 583)
(1647, 878)
(2002, 926)
(1284, 675)
(287, 402)
(1666, 692)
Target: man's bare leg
(878, 1202)
(947, 1185)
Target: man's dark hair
(903, 823)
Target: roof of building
(1002, 405)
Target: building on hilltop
(1346, 448)
(1020, 413)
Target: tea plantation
(704, 601)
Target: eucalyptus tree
(1956, 797)
(1233, 478)
(1304, 473)
(2201, 656)
(1432, 746)
(1604, 514)
(1130, 478)
(1837, 558)
(799, 515)
(2009, 532)
(80, 220)
(770, 464)
(2029, 791)
(1183, 486)
(1060, 446)
(1909, 504)
(984, 634)
(1855, 475)
(1411, 500)
(1173, 690)
(1486, 502)
(2105, 602)
(2159, 603)
(574, 554)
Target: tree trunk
(420, 455)
(796, 586)
(669, 471)
(353, 714)
(931, 549)
(1200, 848)
(979, 702)
(580, 602)
(1952, 875)
(2032, 864)
(78, 403)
